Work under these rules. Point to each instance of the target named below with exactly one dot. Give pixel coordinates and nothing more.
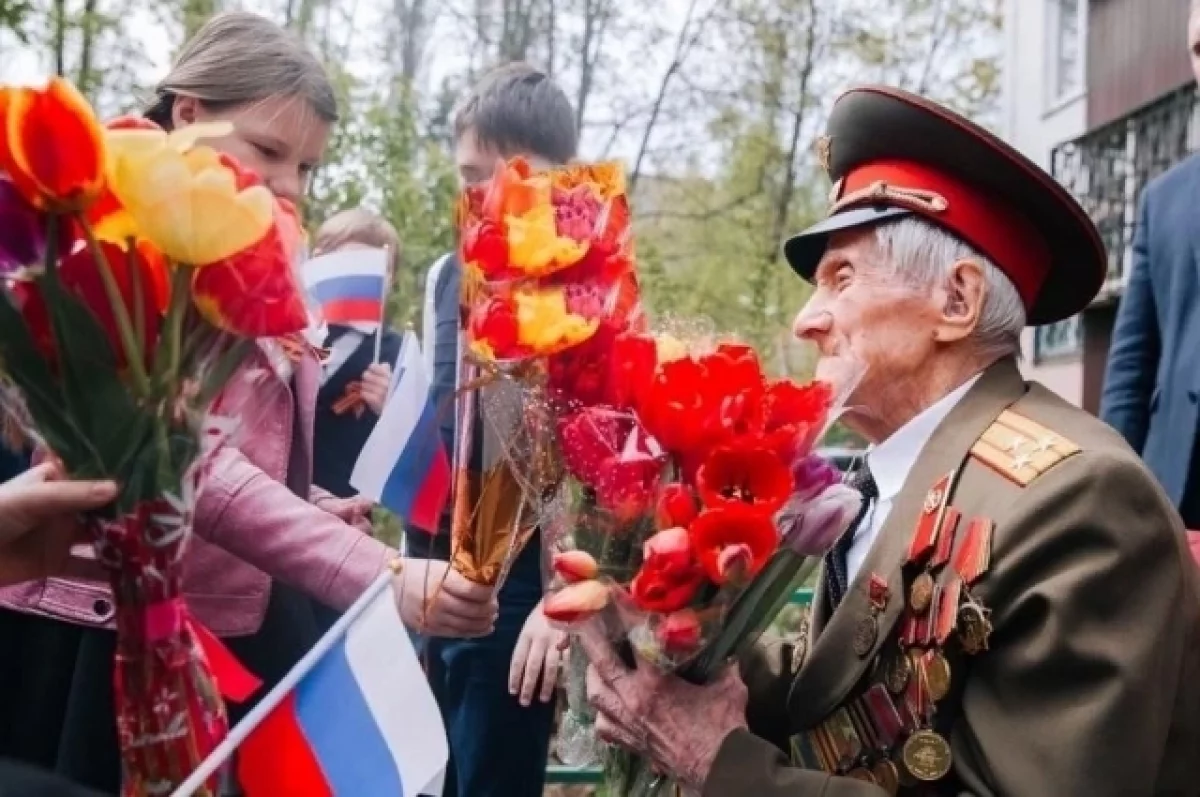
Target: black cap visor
(804, 251)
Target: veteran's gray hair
(922, 254)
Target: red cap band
(997, 230)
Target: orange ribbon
(352, 401)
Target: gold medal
(865, 635)
(937, 674)
(896, 671)
(927, 756)
(920, 595)
(887, 776)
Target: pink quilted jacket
(250, 523)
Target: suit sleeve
(1136, 344)
(261, 521)
(1093, 616)
(755, 761)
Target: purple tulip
(22, 230)
(812, 475)
(812, 527)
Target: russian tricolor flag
(348, 285)
(404, 465)
(355, 718)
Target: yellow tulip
(545, 325)
(196, 206)
(534, 245)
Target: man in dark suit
(1152, 387)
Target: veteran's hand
(38, 526)
(538, 656)
(655, 714)
(375, 383)
(435, 599)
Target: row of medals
(859, 738)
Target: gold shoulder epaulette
(1019, 449)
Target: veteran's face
(862, 316)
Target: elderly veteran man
(1015, 611)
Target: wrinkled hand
(538, 656)
(38, 524)
(655, 714)
(375, 383)
(436, 600)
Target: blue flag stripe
(344, 735)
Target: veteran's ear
(962, 298)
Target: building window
(1058, 340)
(1065, 49)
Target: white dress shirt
(890, 462)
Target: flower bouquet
(547, 270)
(139, 268)
(692, 509)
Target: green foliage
(382, 157)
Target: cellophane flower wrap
(693, 507)
(547, 280)
(139, 268)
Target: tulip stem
(135, 279)
(133, 355)
(181, 282)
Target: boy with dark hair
(496, 692)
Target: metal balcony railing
(1108, 168)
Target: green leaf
(93, 392)
(29, 370)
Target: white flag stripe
(397, 693)
(346, 263)
(396, 424)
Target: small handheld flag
(348, 285)
(355, 718)
(404, 465)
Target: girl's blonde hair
(238, 58)
(360, 226)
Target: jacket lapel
(832, 669)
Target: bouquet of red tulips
(139, 268)
(692, 509)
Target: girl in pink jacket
(266, 543)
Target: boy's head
(358, 229)
(513, 110)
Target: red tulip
(575, 602)
(670, 576)
(494, 324)
(733, 544)
(254, 293)
(795, 415)
(676, 506)
(80, 275)
(52, 145)
(679, 633)
(745, 475)
(575, 566)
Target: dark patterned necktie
(837, 580)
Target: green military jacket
(1026, 623)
